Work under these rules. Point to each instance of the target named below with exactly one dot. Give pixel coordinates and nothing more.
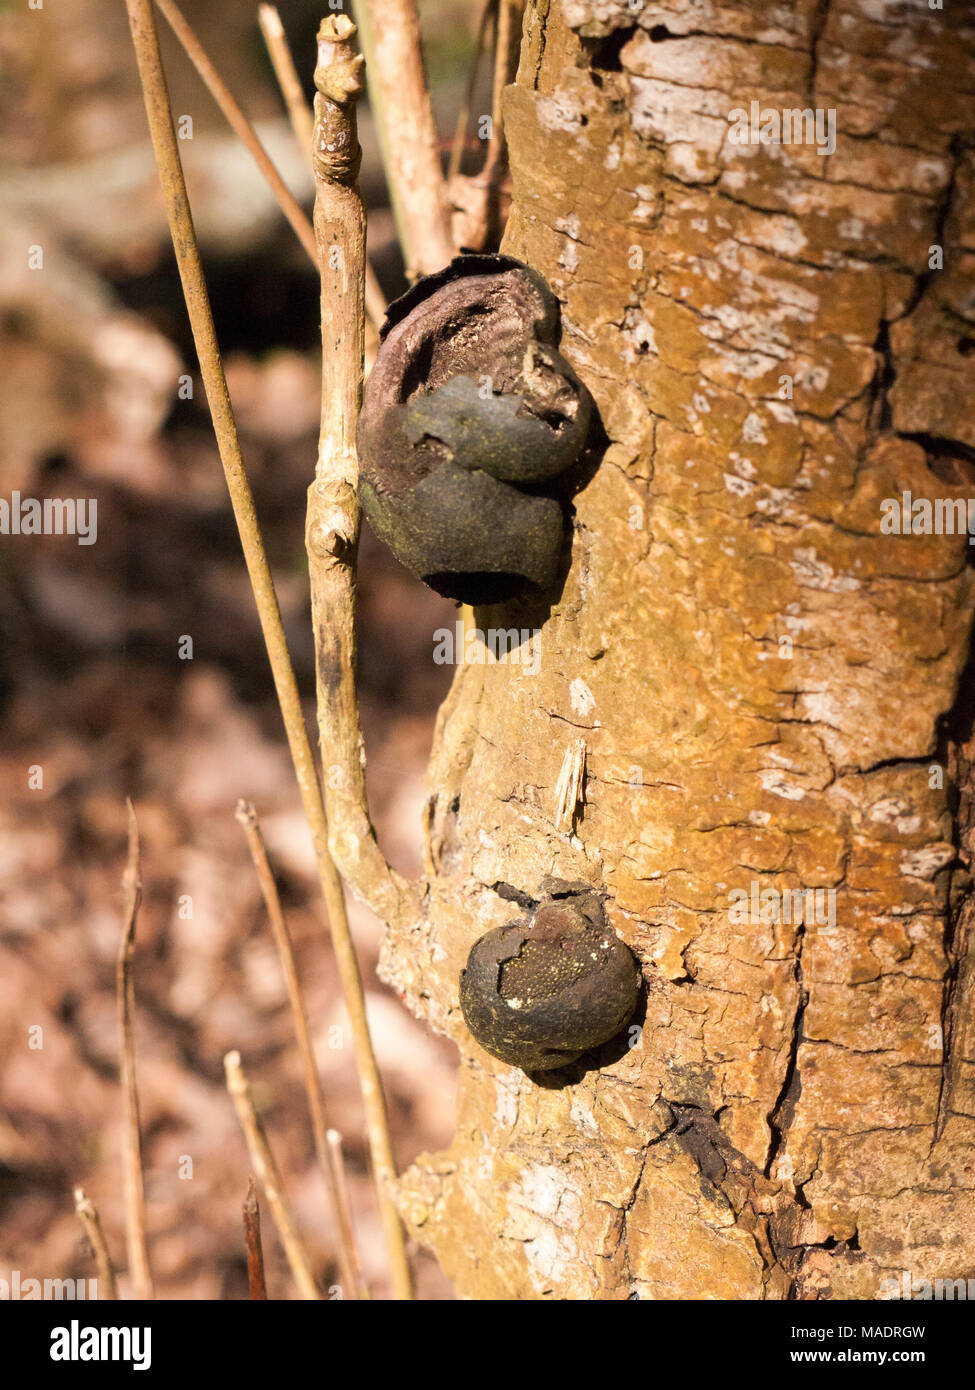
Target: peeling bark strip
(776, 339)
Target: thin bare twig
(476, 198)
(375, 299)
(502, 75)
(269, 1177)
(332, 526)
(135, 1197)
(331, 535)
(241, 126)
(303, 125)
(334, 1177)
(288, 203)
(400, 99)
(334, 1142)
(87, 1213)
(279, 52)
(211, 368)
(256, 1282)
(488, 15)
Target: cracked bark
(781, 1128)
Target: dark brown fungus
(469, 417)
(539, 992)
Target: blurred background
(94, 692)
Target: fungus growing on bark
(540, 991)
(469, 418)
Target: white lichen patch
(648, 203)
(541, 1188)
(925, 862)
(814, 573)
(507, 1089)
(558, 112)
(545, 1210)
(569, 226)
(581, 698)
(822, 707)
(638, 335)
(744, 468)
(783, 412)
(891, 810)
(776, 782)
(569, 259)
(551, 1254)
(741, 487)
(753, 429)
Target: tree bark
(758, 670)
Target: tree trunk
(758, 667)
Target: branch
(135, 1197)
(476, 198)
(331, 535)
(333, 507)
(270, 1177)
(505, 64)
(88, 1215)
(256, 1282)
(332, 1173)
(334, 1142)
(241, 126)
(211, 369)
(279, 52)
(303, 125)
(301, 121)
(400, 100)
(488, 15)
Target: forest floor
(100, 699)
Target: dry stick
(256, 1282)
(303, 124)
(400, 99)
(375, 299)
(488, 14)
(241, 126)
(270, 1177)
(478, 194)
(334, 1177)
(135, 1197)
(334, 1141)
(502, 75)
(88, 1215)
(332, 525)
(170, 169)
(279, 52)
